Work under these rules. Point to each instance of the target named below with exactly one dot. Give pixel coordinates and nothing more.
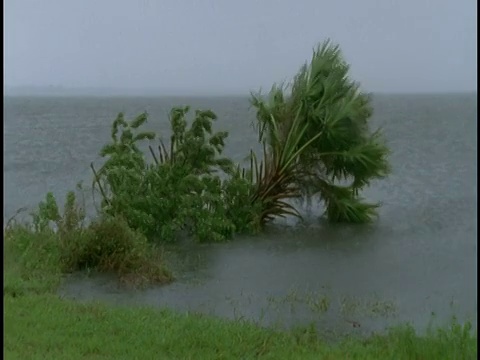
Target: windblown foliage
(315, 134)
(182, 189)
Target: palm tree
(315, 134)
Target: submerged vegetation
(314, 134)
(182, 188)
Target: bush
(183, 189)
(314, 134)
(107, 244)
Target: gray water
(418, 259)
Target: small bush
(107, 244)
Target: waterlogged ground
(417, 263)
(289, 277)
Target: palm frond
(315, 135)
(139, 120)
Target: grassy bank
(43, 326)
(38, 324)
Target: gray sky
(233, 46)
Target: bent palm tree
(315, 134)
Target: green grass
(46, 327)
(40, 325)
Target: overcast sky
(233, 46)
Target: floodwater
(416, 263)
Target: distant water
(421, 253)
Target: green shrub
(183, 189)
(107, 244)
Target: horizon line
(111, 91)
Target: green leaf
(139, 120)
